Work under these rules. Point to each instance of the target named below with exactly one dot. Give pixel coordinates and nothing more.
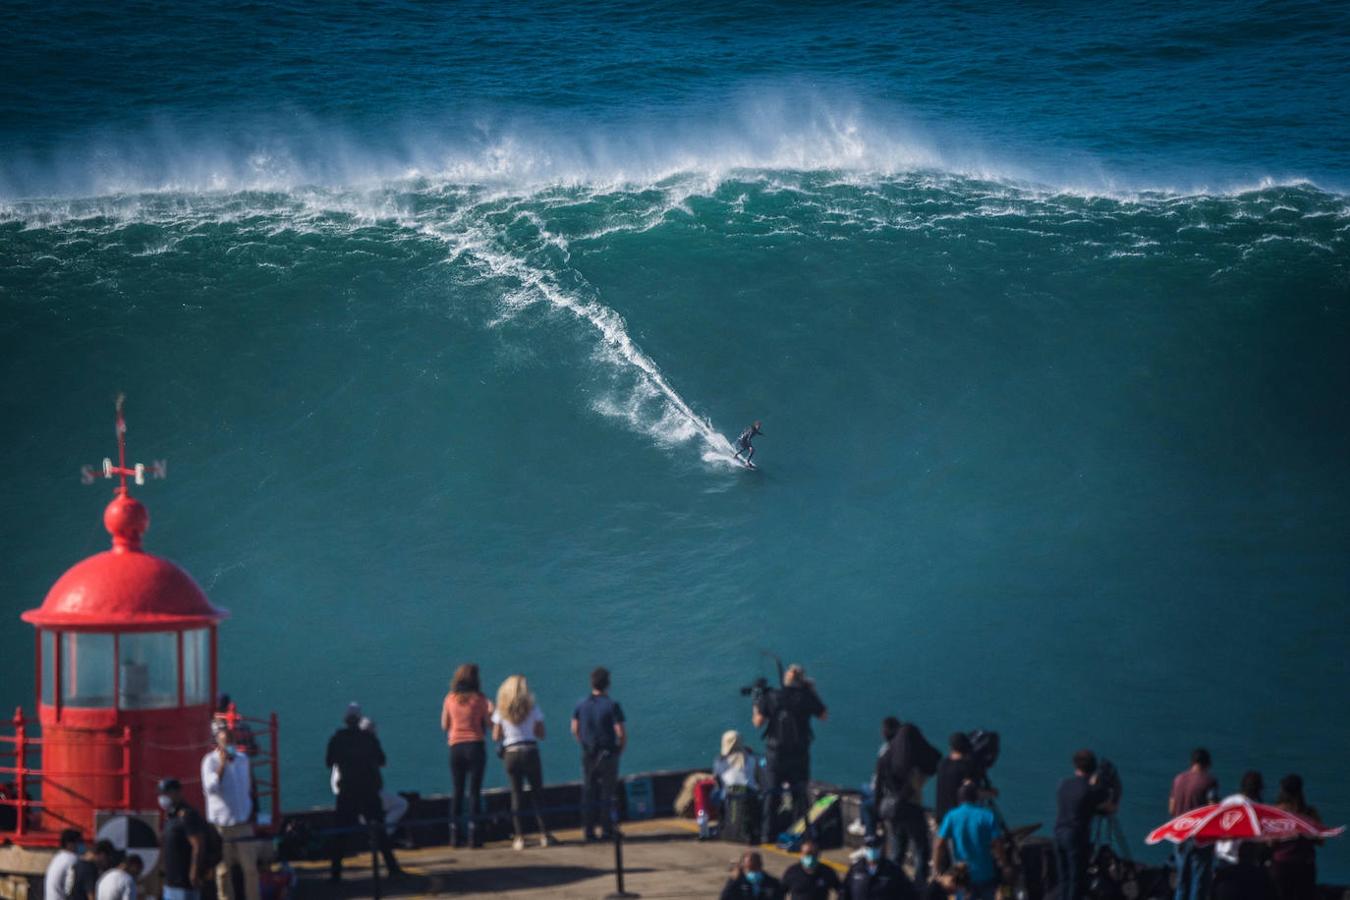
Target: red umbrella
(1238, 819)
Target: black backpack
(740, 815)
(788, 728)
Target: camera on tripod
(1108, 778)
(984, 747)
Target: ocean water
(443, 317)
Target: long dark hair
(1291, 798)
(465, 683)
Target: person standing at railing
(598, 726)
(227, 785)
(518, 724)
(358, 756)
(465, 714)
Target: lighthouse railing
(29, 781)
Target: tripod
(1106, 832)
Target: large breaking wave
(520, 242)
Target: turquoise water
(441, 319)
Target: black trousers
(352, 805)
(1295, 880)
(792, 768)
(599, 772)
(468, 759)
(522, 766)
(907, 825)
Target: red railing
(264, 759)
(20, 778)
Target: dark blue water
(443, 318)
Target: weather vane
(137, 472)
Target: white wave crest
(647, 403)
(765, 129)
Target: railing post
(620, 893)
(20, 771)
(276, 773)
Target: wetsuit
(743, 442)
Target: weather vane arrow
(157, 469)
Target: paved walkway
(662, 858)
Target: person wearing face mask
(59, 878)
(89, 867)
(751, 880)
(182, 843)
(809, 878)
(227, 785)
(874, 877)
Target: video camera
(984, 747)
(757, 690)
(1108, 777)
(760, 688)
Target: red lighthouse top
(125, 588)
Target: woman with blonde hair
(464, 717)
(518, 724)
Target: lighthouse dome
(125, 588)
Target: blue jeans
(1071, 859)
(1195, 871)
(172, 893)
(867, 809)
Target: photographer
(908, 761)
(1081, 796)
(785, 715)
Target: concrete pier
(662, 859)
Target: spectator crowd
(964, 850)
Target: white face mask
(165, 802)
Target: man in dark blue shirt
(598, 726)
(810, 878)
(874, 877)
(1079, 799)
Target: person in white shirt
(227, 783)
(518, 724)
(119, 882)
(59, 880)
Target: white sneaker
(518, 843)
(544, 840)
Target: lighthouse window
(86, 669)
(196, 667)
(49, 668)
(149, 670)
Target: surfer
(743, 444)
